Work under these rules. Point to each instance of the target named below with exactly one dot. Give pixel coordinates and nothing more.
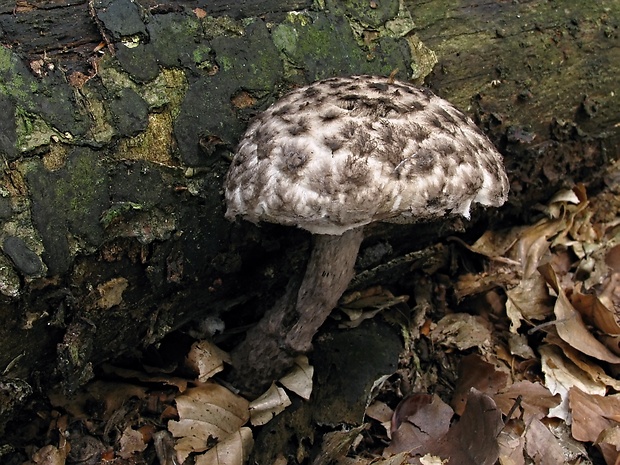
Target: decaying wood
(112, 227)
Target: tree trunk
(119, 119)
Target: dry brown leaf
(131, 441)
(594, 415)
(299, 379)
(336, 445)
(470, 284)
(541, 445)
(233, 450)
(463, 331)
(561, 375)
(511, 446)
(494, 244)
(207, 412)
(268, 405)
(595, 312)
(473, 439)
(111, 292)
(419, 421)
(474, 372)
(379, 411)
(609, 293)
(612, 258)
(206, 359)
(50, 455)
(519, 346)
(570, 325)
(529, 301)
(422, 426)
(534, 400)
(609, 442)
(585, 363)
(534, 244)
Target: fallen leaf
(570, 325)
(519, 346)
(299, 379)
(541, 445)
(233, 450)
(111, 292)
(561, 375)
(585, 363)
(593, 310)
(50, 455)
(593, 416)
(207, 412)
(206, 359)
(534, 244)
(336, 445)
(494, 244)
(592, 413)
(511, 447)
(609, 442)
(268, 405)
(529, 300)
(474, 372)
(131, 442)
(463, 331)
(534, 400)
(419, 421)
(473, 439)
(421, 425)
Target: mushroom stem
(288, 327)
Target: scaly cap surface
(343, 152)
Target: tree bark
(119, 118)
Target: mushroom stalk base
(288, 327)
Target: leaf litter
(511, 356)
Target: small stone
(5, 208)
(26, 261)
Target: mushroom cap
(346, 151)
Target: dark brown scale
(301, 127)
(333, 143)
(356, 170)
(311, 92)
(378, 86)
(283, 110)
(295, 161)
(348, 130)
(330, 115)
(446, 116)
(424, 160)
(416, 106)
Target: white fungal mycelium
(343, 152)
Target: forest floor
(505, 350)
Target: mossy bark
(118, 120)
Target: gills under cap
(344, 152)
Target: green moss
(224, 62)
(323, 45)
(117, 212)
(32, 131)
(13, 81)
(222, 25)
(83, 186)
(202, 55)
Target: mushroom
(333, 157)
